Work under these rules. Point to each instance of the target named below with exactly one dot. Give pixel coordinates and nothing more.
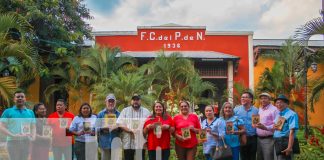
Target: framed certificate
(202, 135)
(25, 128)
(158, 128)
(47, 131)
(280, 123)
(255, 119)
(86, 126)
(110, 120)
(186, 133)
(229, 126)
(135, 124)
(63, 123)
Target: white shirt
(127, 118)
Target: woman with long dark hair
(158, 128)
(83, 127)
(41, 145)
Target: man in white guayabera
(131, 121)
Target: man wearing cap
(267, 113)
(245, 112)
(107, 133)
(286, 133)
(131, 121)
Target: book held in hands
(25, 128)
(47, 131)
(185, 133)
(229, 126)
(280, 123)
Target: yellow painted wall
(75, 101)
(315, 118)
(32, 94)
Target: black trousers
(129, 154)
(165, 153)
(248, 151)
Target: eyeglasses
(245, 97)
(111, 100)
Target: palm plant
(16, 53)
(101, 63)
(123, 85)
(196, 87)
(303, 34)
(289, 56)
(172, 73)
(67, 71)
(239, 88)
(272, 81)
(316, 90)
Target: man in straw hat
(265, 142)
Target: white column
(230, 75)
(251, 63)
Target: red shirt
(152, 140)
(180, 122)
(60, 137)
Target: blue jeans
(208, 157)
(235, 153)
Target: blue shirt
(246, 116)
(77, 126)
(14, 118)
(211, 142)
(230, 139)
(105, 138)
(291, 122)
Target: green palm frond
(51, 89)
(7, 88)
(316, 92)
(312, 27)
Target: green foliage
(272, 81)
(289, 56)
(101, 63)
(239, 88)
(311, 28)
(123, 85)
(309, 148)
(287, 74)
(174, 78)
(303, 34)
(196, 87)
(56, 23)
(317, 87)
(16, 54)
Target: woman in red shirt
(158, 128)
(186, 126)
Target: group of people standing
(270, 136)
(136, 130)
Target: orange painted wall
(316, 118)
(236, 45)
